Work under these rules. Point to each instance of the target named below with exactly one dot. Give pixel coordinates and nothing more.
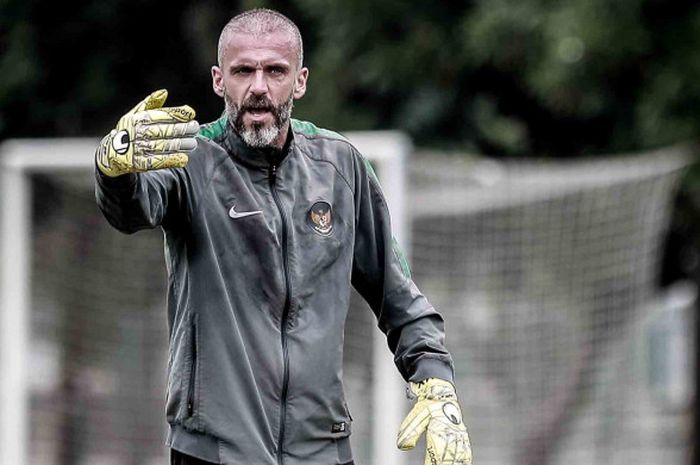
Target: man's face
(259, 80)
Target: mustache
(260, 102)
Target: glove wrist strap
(432, 389)
(102, 155)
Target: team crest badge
(320, 218)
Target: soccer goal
(83, 367)
(566, 350)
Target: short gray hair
(261, 21)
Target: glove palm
(437, 413)
(149, 137)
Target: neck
(282, 136)
(259, 156)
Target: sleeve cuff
(433, 368)
(124, 182)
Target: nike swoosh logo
(235, 215)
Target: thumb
(154, 100)
(413, 426)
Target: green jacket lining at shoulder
(309, 129)
(214, 129)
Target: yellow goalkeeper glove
(436, 412)
(149, 137)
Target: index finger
(181, 114)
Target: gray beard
(257, 135)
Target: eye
(243, 70)
(120, 142)
(276, 70)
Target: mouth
(258, 113)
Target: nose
(259, 85)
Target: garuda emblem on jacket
(320, 218)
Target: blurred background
(554, 220)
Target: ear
(300, 83)
(217, 80)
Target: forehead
(273, 46)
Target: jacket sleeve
(414, 329)
(136, 201)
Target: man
(267, 222)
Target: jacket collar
(254, 157)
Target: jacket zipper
(193, 372)
(285, 316)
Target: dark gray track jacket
(261, 252)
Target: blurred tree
(503, 77)
(511, 77)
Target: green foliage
(504, 77)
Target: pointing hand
(149, 137)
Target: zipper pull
(273, 172)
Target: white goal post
(20, 159)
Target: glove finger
(462, 453)
(167, 130)
(466, 454)
(446, 446)
(181, 114)
(170, 115)
(160, 161)
(433, 456)
(165, 146)
(154, 100)
(413, 426)
(454, 449)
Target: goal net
(565, 352)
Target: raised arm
(139, 180)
